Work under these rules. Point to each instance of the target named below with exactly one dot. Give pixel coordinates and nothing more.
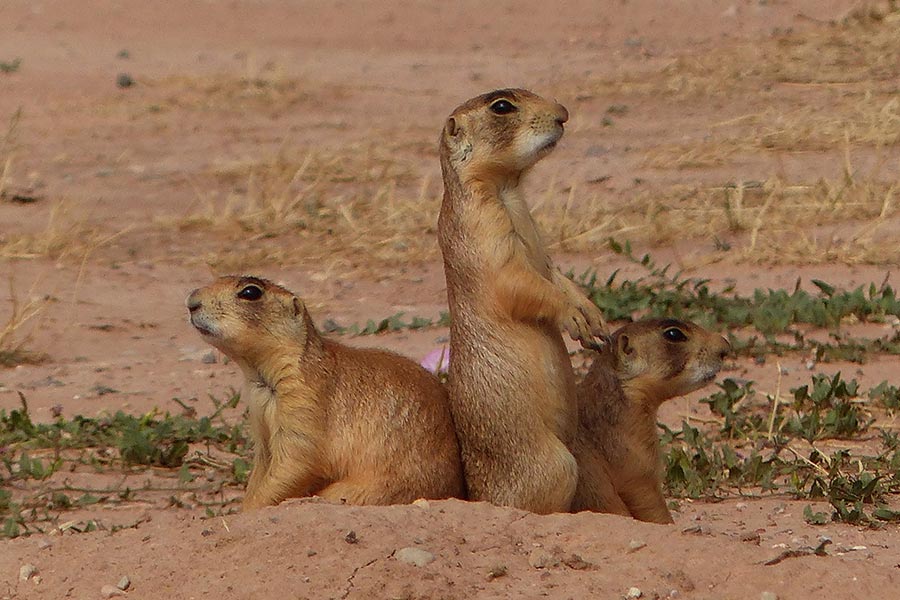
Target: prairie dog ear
(451, 127)
(298, 306)
(624, 345)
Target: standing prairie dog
(357, 425)
(617, 448)
(512, 390)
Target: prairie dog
(617, 448)
(512, 389)
(356, 425)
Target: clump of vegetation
(751, 451)
(10, 66)
(32, 453)
(766, 314)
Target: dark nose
(193, 302)
(562, 114)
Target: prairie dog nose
(193, 302)
(562, 114)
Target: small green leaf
(814, 518)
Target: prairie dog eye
(250, 292)
(673, 334)
(503, 107)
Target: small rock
(27, 571)
(110, 591)
(768, 596)
(351, 538)
(124, 583)
(635, 545)
(421, 503)
(209, 358)
(541, 559)
(751, 536)
(497, 572)
(414, 556)
(634, 592)
(43, 544)
(576, 562)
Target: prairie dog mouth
(201, 326)
(548, 142)
(709, 373)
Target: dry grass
(858, 53)
(847, 220)
(871, 121)
(228, 93)
(829, 89)
(13, 336)
(6, 151)
(344, 207)
(816, 90)
(65, 236)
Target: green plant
(10, 66)
(827, 410)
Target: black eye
(503, 107)
(673, 334)
(250, 292)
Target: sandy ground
(130, 180)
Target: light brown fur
(617, 447)
(512, 390)
(357, 425)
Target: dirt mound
(453, 549)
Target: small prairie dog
(617, 448)
(512, 389)
(357, 425)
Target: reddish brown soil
(125, 162)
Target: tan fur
(617, 447)
(356, 425)
(512, 390)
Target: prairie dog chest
(262, 403)
(525, 229)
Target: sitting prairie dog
(357, 425)
(617, 448)
(512, 389)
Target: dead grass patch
(65, 236)
(858, 52)
(13, 335)
(6, 150)
(358, 204)
(847, 220)
(224, 92)
(870, 122)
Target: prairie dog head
(248, 318)
(667, 357)
(503, 132)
